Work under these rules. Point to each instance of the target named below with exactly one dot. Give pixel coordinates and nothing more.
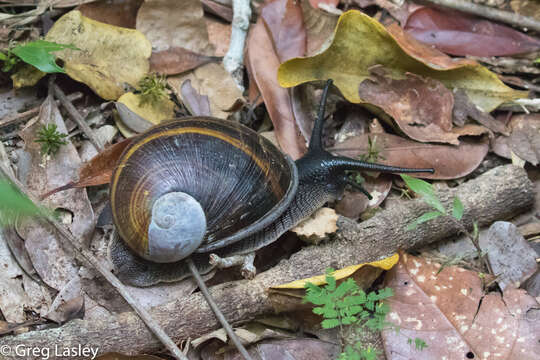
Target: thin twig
(233, 61)
(20, 117)
(490, 13)
(77, 117)
(96, 263)
(219, 315)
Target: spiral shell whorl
(176, 229)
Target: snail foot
(247, 269)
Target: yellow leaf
(385, 264)
(153, 112)
(27, 75)
(109, 56)
(361, 42)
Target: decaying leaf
(53, 264)
(117, 12)
(449, 162)
(458, 34)
(98, 170)
(352, 204)
(197, 104)
(421, 107)
(109, 56)
(170, 26)
(285, 23)
(151, 112)
(451, 314)
(219, 35)
(68, 304)
(318, 226)
(511, 257)
(178, 60)
(215, 82)
(262, 63)
(524, 140)
(361, 42)
(319, 28)
(464, 108)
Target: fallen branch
(233, 61)
(490, 13)
(500, 193)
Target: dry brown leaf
(116, 12)
(52, 263)
(464, 108)
(262, 63)
(68, 304)
(352, 204)
(511, 257)
(320, 27)
(197, 104)
(451, 314)
(449, 162)
(215, 82)
(524, 139)
(285, 24)
(109, 56)
(177, 60)
(318, 226)
(168, 25)
(219, 35)
(421, 107)
(221, 9)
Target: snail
(197, 186)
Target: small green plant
(347, 304)
(374, 153)
(425, 189)
(51, 139)
(151, 89)
(419, 344)
(36, 53)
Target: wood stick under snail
(500, 193)
(87, 255)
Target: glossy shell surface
(241, 180)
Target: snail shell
(194, 181)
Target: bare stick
(219, 315)
(490, 13)
(234, 59)
(96, 263)
(76, 116)
(20, 117)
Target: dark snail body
(321, 177)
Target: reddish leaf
(459, 34)
(449, 162)
(422, 107)
(177, 60)
(319, 25)
(262, 63)
(448, 310)
(119, 13)
(285, 23)
(97, 171)
(353, 204)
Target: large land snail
(197, 186)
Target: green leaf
(38, 54)
(424, 189)
(475, 230)
(15, 205)
(330, 323)
(457, 208)
(422, 219)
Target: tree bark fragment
(498, 194)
